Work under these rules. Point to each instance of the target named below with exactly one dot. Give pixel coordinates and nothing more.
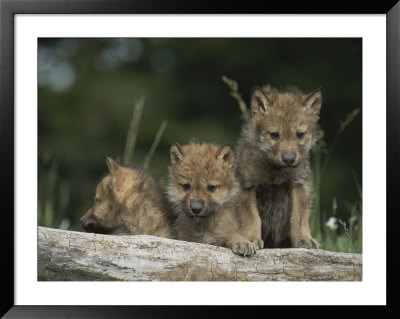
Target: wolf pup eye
(300, 134)
(211, 188)
(186, 187)
(96, 200)
(274, 135)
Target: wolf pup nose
(89, 226)
(289, 158)
(84, 222)
(196, 206)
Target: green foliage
(346, 240)
(53, 196)
(343, 124)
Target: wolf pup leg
(250, 218)
(299, 220)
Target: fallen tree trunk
(67, 255)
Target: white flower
(352, 219)
(331, 223)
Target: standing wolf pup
(204, 194)
(128, 202)
(273, 164)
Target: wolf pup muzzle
(196, 206)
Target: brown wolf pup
(128, 201)
(273, 164)
(204, 193)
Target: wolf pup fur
(273, 164)
(204, 195)
(128, 202)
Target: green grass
(345, 235)
(53, 196)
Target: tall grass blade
(233, 85)
(153, 147)
(357, 184)
(349, 118)
(133, 131)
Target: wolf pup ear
(176, 154)
(313, 101)
(112, 165)
(226, 155)
(259, 101)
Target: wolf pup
(128, 201)
(273, 164)
(204, 194)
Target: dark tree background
(87, 89)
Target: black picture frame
(8, 10)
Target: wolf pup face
(285, 124)
(202, 178)
(128, 201)
(102, 217)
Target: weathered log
(67, 255)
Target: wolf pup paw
(315, 244)
(258, 243)
(309, 243)
(244, 248)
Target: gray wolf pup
(128, 201)
(273, 164)
(204, 195)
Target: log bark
(67, 256)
